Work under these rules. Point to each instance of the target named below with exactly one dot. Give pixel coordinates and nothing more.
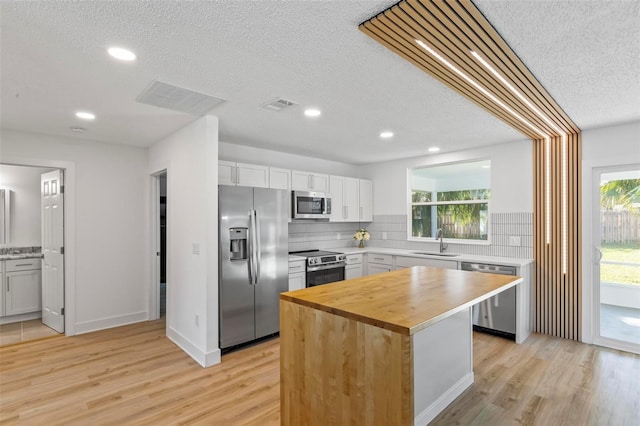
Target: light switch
(514, 240)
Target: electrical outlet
(384, 235)
(197, 321)
(514, 240)
(195, 248)
(338, 236)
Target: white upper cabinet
(366, 200)
(345, 199)
(242, 174)
(306, 181)
(279, 178)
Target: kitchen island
(392, 348)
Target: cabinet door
(366, 200)
(338, 208)
(352, 199)
(377, 268)
(23, 292)
(353, 271)
(296, 281)
(2, 292)
(300, 181)
(279, 178)
(320, 183)
(252, 175)
(226, 173)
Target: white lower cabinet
(22, 286)
(297, 279)
(354, 266)
(407, 262)
(1, 288)
(377, 263)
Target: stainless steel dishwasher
(496, 315)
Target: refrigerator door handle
(253, 273)
(258, 249)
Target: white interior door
(616, 257)
(51, 187)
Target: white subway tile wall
(306, 236)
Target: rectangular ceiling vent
(165, 95)
(278, 104)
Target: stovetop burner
(319, 257)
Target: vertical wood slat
(557, 308)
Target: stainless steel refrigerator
(253, 268)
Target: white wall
(511, 177)
(264, 157)
(602, 147)
(190, 157)
(106, 232)
(25, 203)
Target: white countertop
(494, 260)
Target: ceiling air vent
(278, 104)
(165, 95)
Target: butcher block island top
(388, 349)
(406, 300)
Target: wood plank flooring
(135, 375)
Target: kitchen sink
(436, 253)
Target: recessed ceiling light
(312, 112)
(386, 134)
(434, 149)
(122, 54)
(78, 129)
(85, 115)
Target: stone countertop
(21, 256)
(493, 260)
(404, 301)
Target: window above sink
(454, 197)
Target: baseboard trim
(104, 323)
(445, 399)
(20, 317)
(202, 358)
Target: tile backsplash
(313, 235)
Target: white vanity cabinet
(307, 181)
(242, 174)
(378, 263)
(354, 266)
(22, 286)
(297, 279)
(407, 262)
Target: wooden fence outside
(619, 226)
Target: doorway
(616, 268)
(159, 290)
(25, 273)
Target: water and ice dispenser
(238, 243)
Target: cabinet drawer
(407, 262)
(385, 259)
(22, 264)
(295, 267)
(354, 259)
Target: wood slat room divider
(454, 43)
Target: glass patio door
(616, 273)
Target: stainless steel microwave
(310, 205)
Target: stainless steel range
(323, 267)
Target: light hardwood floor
(134, 375)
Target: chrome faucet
(440, 235)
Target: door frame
(154, 293)
(596, 241)
(69, 170)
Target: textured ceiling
(53, 62)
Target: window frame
(411, 204)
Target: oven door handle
(334, 265)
